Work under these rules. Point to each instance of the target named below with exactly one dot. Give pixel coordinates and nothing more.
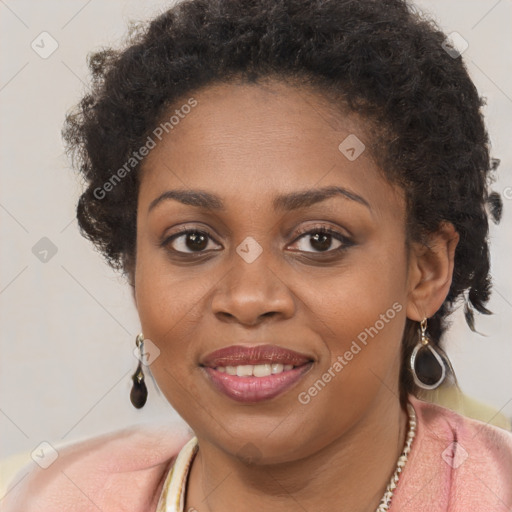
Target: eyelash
(346, 242)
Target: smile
(254, 374)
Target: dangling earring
(427, 365)
(139, 392)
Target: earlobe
(430, 272)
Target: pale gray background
(68, 325)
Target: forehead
(251, 141)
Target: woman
(297, 193)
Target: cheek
(165, 295)
(170, 305)
(361, 311)
(361, 316)
(168, 311)
(160, 303)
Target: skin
(248, 144)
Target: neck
(353, 470)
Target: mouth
(256, 370)
(253, 374)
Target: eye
(321, 240)
(188, 241)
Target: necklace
(385, 502)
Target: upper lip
(235, 355)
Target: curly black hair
(377, 58)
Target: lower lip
(256, 389)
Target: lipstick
(253, 374)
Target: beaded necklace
(385, 502)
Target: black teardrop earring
(139, 392)
(427, 365)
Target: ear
(431, 271)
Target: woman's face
(254, 270)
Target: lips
(254, 374)
(237, 355)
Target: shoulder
(121, 471)
(442, 424)
(457, 462)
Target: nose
(251, 292)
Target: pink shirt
(456, 464)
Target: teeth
(261, 370)
(277, 368)
(244, 370)
(255, 370)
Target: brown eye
(322, 240)
(188, 241)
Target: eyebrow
(291, 201)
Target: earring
(139, 392)
(427, 365)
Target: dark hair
(377, 58)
